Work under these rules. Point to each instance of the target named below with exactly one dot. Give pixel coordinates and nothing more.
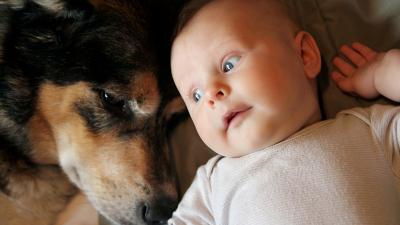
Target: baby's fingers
(344, 67)
(355, 57)
(343, 82)
(365, 51)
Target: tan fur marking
(147, 91)
(46, 188)
(52, 104)
(56, 102)
(42, 141)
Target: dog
(85, 99)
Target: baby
(247, 74)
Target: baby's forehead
(264, 13)
(251, 16)
(236, 17)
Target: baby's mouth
(233, 115)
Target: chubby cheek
(258, 135)
(249, 137)
(207, 131)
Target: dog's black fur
(85, 91)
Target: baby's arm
(195, 206)
(369, 74)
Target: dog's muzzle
(157, 212)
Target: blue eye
(197, 94)
(230, 63)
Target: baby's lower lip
(237, 118)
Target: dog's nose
(158, 211)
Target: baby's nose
(215, 96)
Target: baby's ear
(309, 52)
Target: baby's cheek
(205, 133)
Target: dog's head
(84, 80)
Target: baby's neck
(313, 119)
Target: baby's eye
(230, 63)
(197, 94)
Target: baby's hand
(356, 77)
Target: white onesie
(344, 171)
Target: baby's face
(242, 80)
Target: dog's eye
(111, 103)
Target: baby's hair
(187, 13)
(193, 6)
